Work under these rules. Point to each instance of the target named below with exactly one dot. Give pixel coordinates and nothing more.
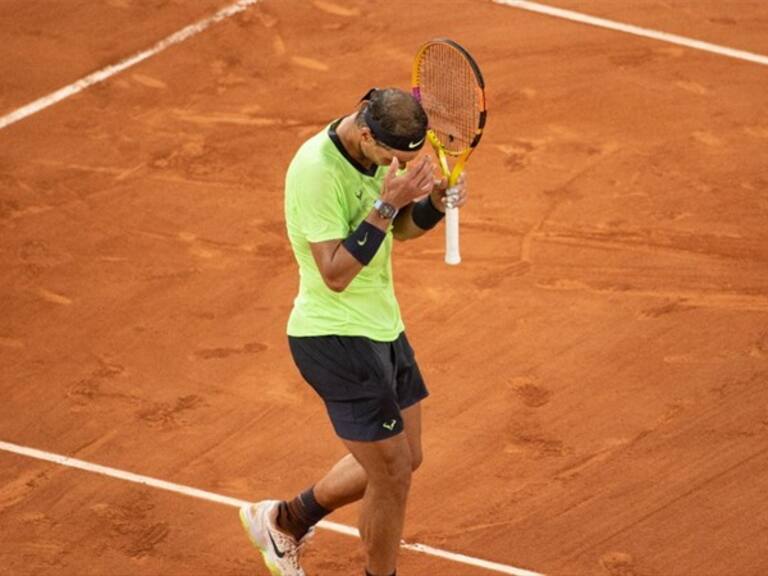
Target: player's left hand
(455, 197)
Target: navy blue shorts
(365, 384)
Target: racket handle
(452, 254)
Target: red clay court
(598, 363)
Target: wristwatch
(385, 209)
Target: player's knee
(396, 476)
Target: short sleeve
(318, 203)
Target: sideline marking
(236, 502)
(636, 30)
(111, 70)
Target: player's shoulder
(316, 153)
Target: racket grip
(452, 254)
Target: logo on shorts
(390, 425)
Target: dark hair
(394, 113)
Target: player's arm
(339, 261)
(421, 216)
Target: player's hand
(402, 189)
(454, 197)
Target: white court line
(104, 73)
(636, 30)
(235, 502)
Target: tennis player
(350, 190)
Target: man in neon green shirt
(348, 194)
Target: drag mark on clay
(336, 9)
(310, 63)
(20, 487)
(667, 308)
(219, 353)
(149, 81)
(714, 300)
(53, 297)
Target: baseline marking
(235, 502)
(104, 73)
(636, 30)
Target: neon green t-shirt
(327, 195)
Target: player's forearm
(418, 218)
(347, 258)
(404, 228)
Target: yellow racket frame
(452, 253)
(452, 174)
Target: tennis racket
(448, 83)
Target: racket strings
(450, 96)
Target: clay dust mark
(118, 173)
(205, 253)
(219, 353)
(664, 309)
(707, 138)
(693, 87)
(53, 297)
(529, 438)
(719, 301)
(573, 470)
(310, 63)
(336, 9)
(278, 45)
(149, 81)
(20, 487)
(231, 118)
(539, 445)
(660, 241)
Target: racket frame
(452, 252)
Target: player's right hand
(412, 184)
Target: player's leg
(389, 401)
(387, 464)
(343, 484)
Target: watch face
(385, 210)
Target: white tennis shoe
(280, 551)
